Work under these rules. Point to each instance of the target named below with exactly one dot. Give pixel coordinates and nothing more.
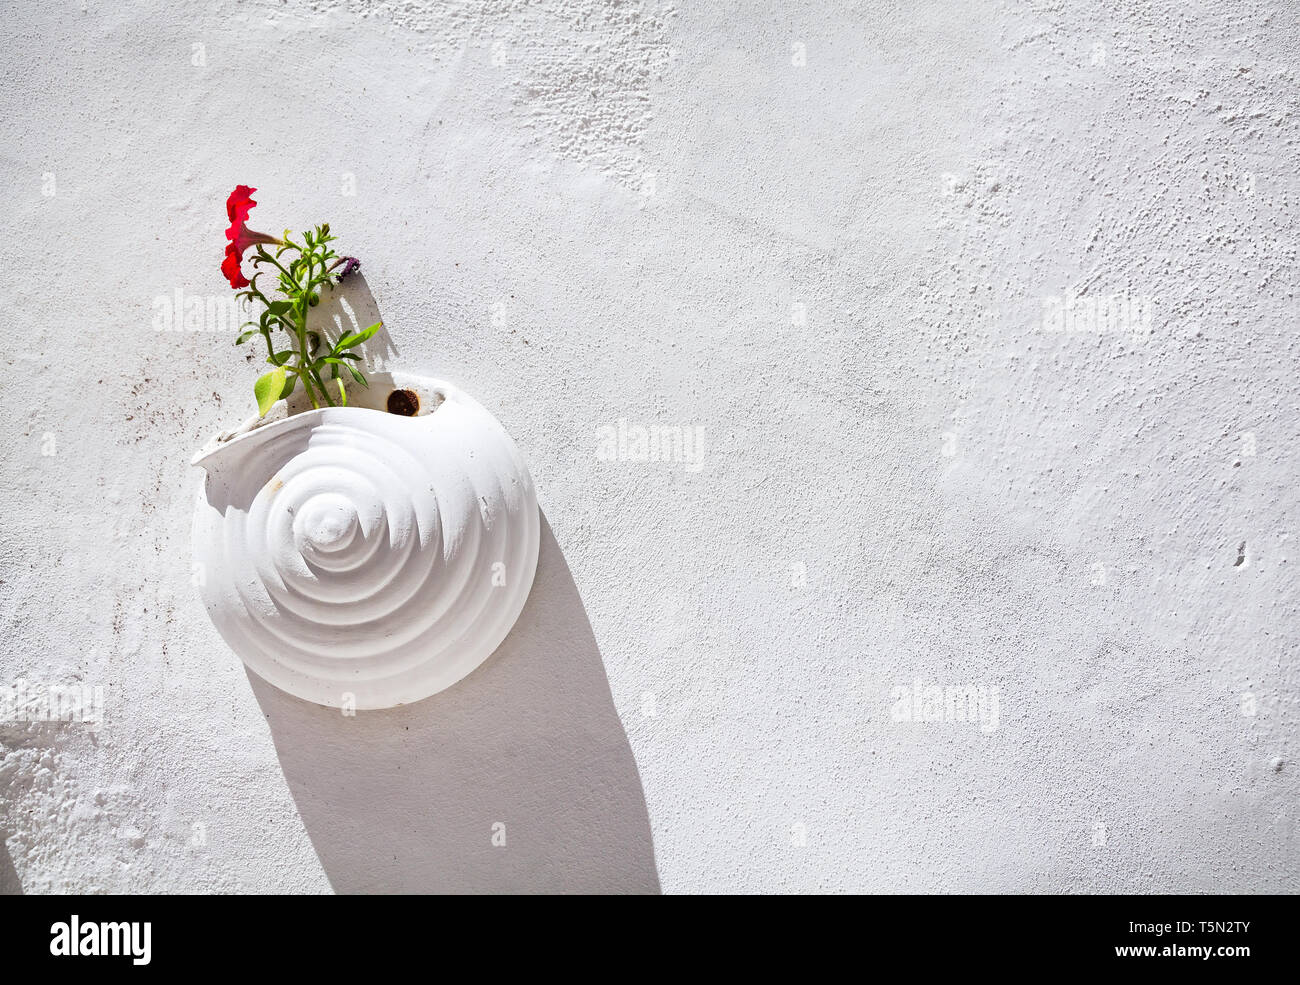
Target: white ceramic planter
(358, 558)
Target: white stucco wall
(828, 238)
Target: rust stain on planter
(404, 402)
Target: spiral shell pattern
(358, 558)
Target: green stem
(300, 330)
(321, 383)
(302, 368)
(306, 385)
(271, 259)
(304, 356)
(299, 291)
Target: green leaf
(355, 375)
(245, 336)
(268, 388)
(343, 393)
(355, 339)
(280, 358)
(289, 387)
(279, 307)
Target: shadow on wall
(350, 307)
(10, 884)
(528, 748)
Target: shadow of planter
(527, 750)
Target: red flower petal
(239, 204)
(230, 267)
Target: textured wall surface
(986, 315)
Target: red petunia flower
(238, 205)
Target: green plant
(305, 356)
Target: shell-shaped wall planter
(360, 558)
